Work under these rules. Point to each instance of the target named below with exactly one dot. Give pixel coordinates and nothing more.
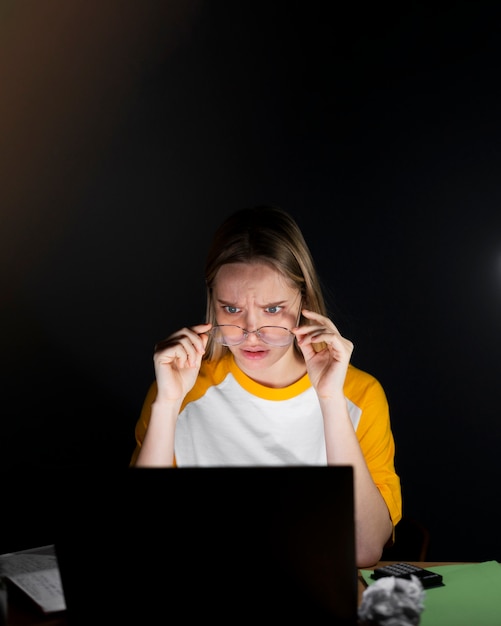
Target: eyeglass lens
(229, 335)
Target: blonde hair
(267, 234)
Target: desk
(21, 613)
(470, 594)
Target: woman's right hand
(177, 361)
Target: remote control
(405, 570)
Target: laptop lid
(227, 544)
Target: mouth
(254, 353)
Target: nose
(251, 335)
(250, 322)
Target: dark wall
(129, 131)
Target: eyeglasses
(231, 335)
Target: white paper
(36, 572)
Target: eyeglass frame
(246, 333)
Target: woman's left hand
(326, 353)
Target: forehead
(236, 281)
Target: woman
(267, 380)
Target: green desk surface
(471, 595)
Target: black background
(128, 130)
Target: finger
(312, 331)
(322, 338)
(182, 351)
(306, 338)
(201, 328)
(193, 334)
(175, 355)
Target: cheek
(223, 317)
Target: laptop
(224, 545)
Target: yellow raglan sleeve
(375, 436)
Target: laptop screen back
(230, 544)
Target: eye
(273, 310)
(231, 309)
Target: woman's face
(251, 295)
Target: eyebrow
(265, 305)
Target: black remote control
(405, 570)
